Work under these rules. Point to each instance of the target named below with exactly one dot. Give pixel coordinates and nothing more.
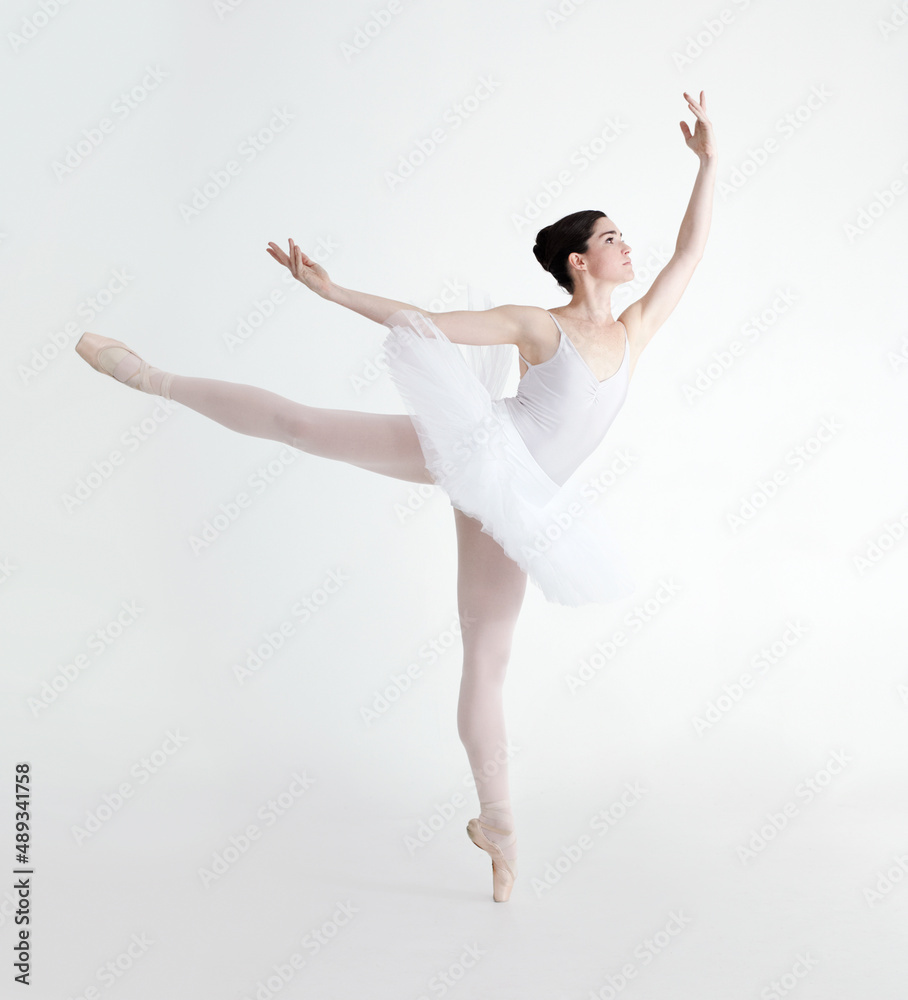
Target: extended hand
(703, 141)
(303, 268)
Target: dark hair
(556, 242)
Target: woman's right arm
(315, 277)
(500, 325)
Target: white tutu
(479, 459)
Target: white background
(805, 226)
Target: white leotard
(562, 411)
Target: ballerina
(505, 463)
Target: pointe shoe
(503, 872)
(104, 354)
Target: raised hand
(703, 140)
(303, 268)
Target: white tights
(490, 585)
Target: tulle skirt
(476, 455)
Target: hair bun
(556, 242)
(540, 249)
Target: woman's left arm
(695, 224)
(648, 313)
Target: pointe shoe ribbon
(104, 354)
(503, 874)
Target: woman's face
(607, 256)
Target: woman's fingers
(278, 254)
(698, 108)
(297, 262)
(299, 259)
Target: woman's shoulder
(536, 335)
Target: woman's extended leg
(490, 591)
(380, 442)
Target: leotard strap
(561, 335)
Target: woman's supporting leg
(490, 591)
(380, 442)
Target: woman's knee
(487, 666)
(486, 641)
